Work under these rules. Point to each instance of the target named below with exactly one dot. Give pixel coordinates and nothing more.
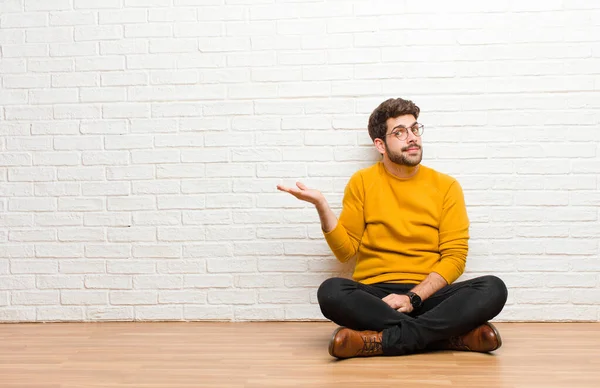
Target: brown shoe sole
(497, 333)
(332, 342)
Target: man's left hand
(400, 303)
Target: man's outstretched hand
(304, 193)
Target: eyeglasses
(402, 133)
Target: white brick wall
(142, 141)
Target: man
(407, 225)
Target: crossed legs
(452, 311)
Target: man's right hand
(304, 193)
(328, 219)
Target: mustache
(411, 146)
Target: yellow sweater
(402, 229)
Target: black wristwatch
(415, 300)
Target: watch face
(415, 300)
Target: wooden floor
(281, 355)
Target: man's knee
(496, 289)
(329, 291)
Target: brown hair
(390, 108)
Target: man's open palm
(304, 193)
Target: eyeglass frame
(420, 128)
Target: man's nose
(411, 137)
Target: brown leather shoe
(484, 338)
(346, 343)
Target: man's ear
(379, 145)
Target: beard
(405, 159)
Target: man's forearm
(327, 217)
(432, 283)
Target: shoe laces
(457, 343)
(371, 345)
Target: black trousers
(454, 310)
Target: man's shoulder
(366, 172)
(440, 179)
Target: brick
(23, 20)
(147, 3)
(182, 297)
(153, 313)
(107, 219)
(28, 113)
(112, 282)
(81, 234)
(72, 18)
(80, 204)
(124, 46)
(61, 282)
(178, 14)
(204, 313)
(182, 267)
(122, 16)
(34, 298)
(156, 187)
(177, 77)
(231, 297)
(9, 66)
(17, 282)
(54, 219)
(22, 50)
(32, 235)
(81, 173)
(81, 111)
(180, 171)
(49, 35)
(71, 80)
(155, 156)
(78, 49)
(55, 128)
(52, 96)
(60, 250)
(153, 30)
(82, 266)
(155, 282)
(56, 158)
(83, 297)
(127, 142)
(42, 5)
(181, 202)
(32, 204)
(207, 281)
(15, 220)
(132, 234)
(231, 265)
(109, 313)
(105, 63)
(151, 61)
(259, 313)
(157, 251)
(105, 158)
(131, 267)
(133, 297)
(181, 234)
(125, 110)
(59, 314)
(102, 94)
(157, 218)
(97, 33)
